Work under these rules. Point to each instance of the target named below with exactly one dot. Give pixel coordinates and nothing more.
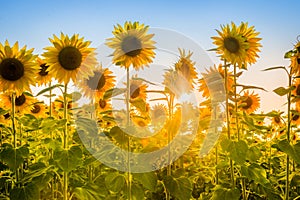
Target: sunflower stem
(169, 168)
(129, 181)
(288, 138)
(51, 136)
(228, 122)
(13, 120)
(65, 143)
(235, 104)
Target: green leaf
(292, 150)
(144, 80)
(48, 89)
(28, 192)
(14, 157)
(148, 180)
(237, 151)
(272, 68)
(221, 193)
(90, 192)
(68, 160)
(256, 173)
(75, 96)
(253, 154)
(137, 192)
(290, 54)
(181, 188)
(281, 91)
(114, 182)
(247, 87)
(87, 125)
(113, 92)
(140, 104)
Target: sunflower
(23, 103)
(39, 110)
(17, 68)
(295, 59)
(231, 45)
(137, 89)
(185, 66)
(277, 121)
(43, 77)
(250, 35)
(132, 45)
(140, 122)
(249, 102)
(176, 83)
(58, 106)
(158, 112)
(296, 118)
(103, 105)
(96, 85)
(211, 76)
(296, 91)
(69, 58)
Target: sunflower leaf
(247, 87)
(48, 89)
(272, 68)
(113, 92)
(141, 79)
(281, 91)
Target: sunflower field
(71, 129)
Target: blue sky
(33, 22)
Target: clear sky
(32, 22)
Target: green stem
(129, 181)
(235, 104)
(288, 139)
(13, 120)
(65, 143)
(217, 173)
(228, 122)
(169, 168)
(51, 136)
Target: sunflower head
(43, 76)
(250, 35)
(158, 112)
(249, 102)
(17, 68)
(294, 56)
(185, 66)
(23, 102)
(96, 85)
(69, 57)
(137, 89)
(38, 110)
(212, 75)
(231, 45)
(132, 45)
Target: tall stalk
(65, 143)
(288, 139)
(13, 120)
(129, 181)
(228, 122)
(169, 167)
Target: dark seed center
(298, 90)
(141, 123)
(102, 103)
(36, 109)
(11, 69)
(70, 58)
(277, 119)
(295, 117)
(248, 103)
(43, 68)
(131, 46)
(298, 61)
(20, 100)
(97, 81)
(6, 116)
(134, 91)
(232, 44)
